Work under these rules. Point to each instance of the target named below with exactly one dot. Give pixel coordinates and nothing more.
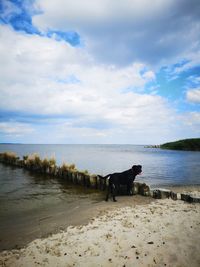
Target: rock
(141, 189)
(178, 196)
(173, 195)
(135, 188)
(189, 198)
(156, 193)
(144, 189)
(186, 197)
(151, 193)
(161, 193)
(195, 199)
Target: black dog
(122, 178)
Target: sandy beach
(156, 233)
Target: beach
(127, 233)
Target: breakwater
(70, 173)
(47, 166)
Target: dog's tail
(104, 177)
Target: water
(28, 197)
(20, 188)
(160, 168)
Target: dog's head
(137, 169)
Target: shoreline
(57, 217)
(53, 219)
(156, 233)
(16, 235)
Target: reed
(64, 170)
(52, 166)
(52, 162)
(9, 157)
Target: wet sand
(17, 231)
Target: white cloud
(194, 79)
(193, 95)
(33, 66)
(190, 124)
(15, 128)
(98, 11)
(193, 118)
(123, 31)
(93, 107)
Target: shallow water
(34, 206)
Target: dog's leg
(131, 191)
(108, 192)
(130, 188)
(114, 192)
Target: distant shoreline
(192, 144)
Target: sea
(160, 167)
(23, 192)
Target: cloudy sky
(101, 71)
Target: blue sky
(100, 71)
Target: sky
(99, 72)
